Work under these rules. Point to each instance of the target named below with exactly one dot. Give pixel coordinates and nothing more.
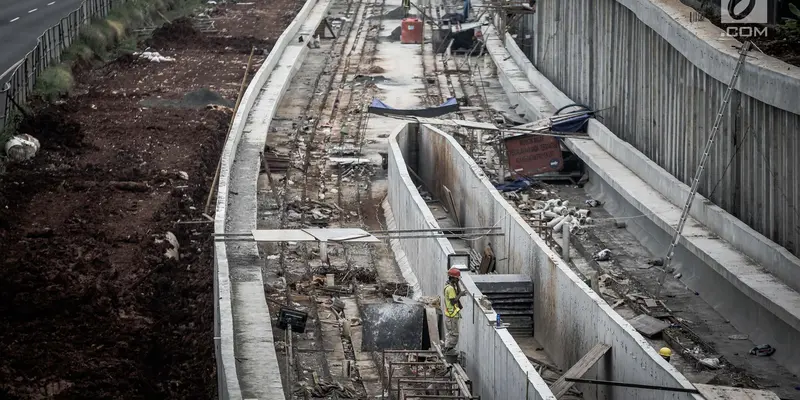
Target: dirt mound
(90, 295)
(178, 33)
(181, 34)
(200, 98)
(53, 129)
(94, 309)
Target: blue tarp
(380, 108)
(513, 186)
(575, 124)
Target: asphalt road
(21, 24)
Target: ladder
(701, 166)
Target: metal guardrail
(17, 86)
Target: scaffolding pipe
(474, 228)
(632, 385)
(454, 236)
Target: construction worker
(452, 309)
(666, 353)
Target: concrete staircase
(511, 297)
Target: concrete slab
(503, 283)
(748, 293)
(243, 319)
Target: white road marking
(14, 19)
(51, 3)
(32, 10)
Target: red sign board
(534, 154)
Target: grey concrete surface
(569, 318)
(774, 258)
(665, 78)
(747, 294)
(246, 361)
(20, 26)
(493, 360)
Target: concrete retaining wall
(227, 377)
(569, 317)
(666, 77)
(763, 305)
(495, 363)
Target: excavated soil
(181, 35)
(91, 307)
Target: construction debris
(153, 56)
(325, 389)
(602, 255)
(762, 350)
(22, 147)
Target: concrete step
(522, 300)
(503, 283)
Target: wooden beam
(562, 386)
(432, 319)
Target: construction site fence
(18, 85)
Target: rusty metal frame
(399, 385)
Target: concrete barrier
(495, 363)
(664, 73)
(569, 317)
(764, 306)
(228, 380)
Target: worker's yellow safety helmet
(665, 352)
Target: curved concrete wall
(569, 317)
(665, 77)
(756, 302)
(228, 380)
(493, 360)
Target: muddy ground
(91, 307)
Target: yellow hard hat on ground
(665, 352)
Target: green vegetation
(54, 82)
(106, 38)
(792, 25)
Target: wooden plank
(433, 325)
(561, 386)
(713, 392)
(647, 325)
(487, 261)
(452, 204)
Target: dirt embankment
(90, 306)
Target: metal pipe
(421, 380)
(455, 236)
(438, 230)
(416, 362)
(243, 238)
(390, 351)
(230, 126)
(632, 385)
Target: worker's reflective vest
(451, 309)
